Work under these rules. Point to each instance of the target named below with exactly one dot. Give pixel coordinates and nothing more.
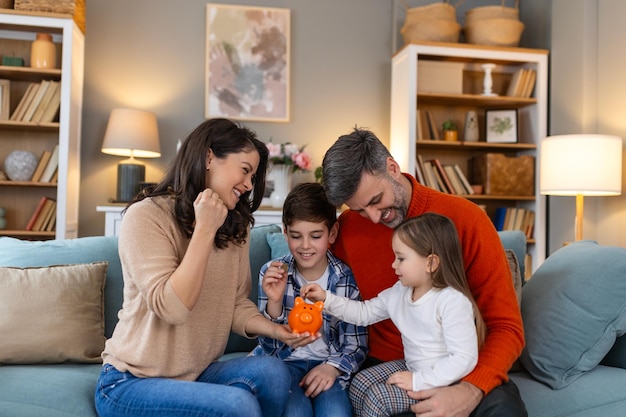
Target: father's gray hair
(347, 160)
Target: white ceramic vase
(282, 175)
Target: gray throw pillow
(573, 310)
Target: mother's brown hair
(186, 177)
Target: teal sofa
(66, 389)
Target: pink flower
(289, 154)
(302, 160)
(274, 149)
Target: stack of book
(44, 217)
(522, 83)
(40, 103)
(515, 218)
(47, 167)
(427, 128)
(448, 179)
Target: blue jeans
(331, 403)
(252, 387)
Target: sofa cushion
(597, 393)
(52, 314)
(573, 309)
(278, 244)
(24, 253)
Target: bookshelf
(459, 68)
(20, 198)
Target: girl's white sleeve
(361, 313)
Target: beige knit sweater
(157, 336)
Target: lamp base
(130, 175)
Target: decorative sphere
(20, 165)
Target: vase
(43, 53)
(282, 175)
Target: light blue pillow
(573, 309)
(278, 244)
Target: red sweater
(366, 247)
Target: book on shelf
(439, 179)
(421, 124)
(433, 129)
(447, 185)
(466, 184)
(41, 165)
(419, 174)
(41, 91)
(431, 178)
(53, 107)
(52, 165)
(516, 82)
(51, 226)
(25, 101)
(454, 180)
(498, 218)
(50, 212)
(41, 216)
(45, 101)
(36, 212)
(530, 83)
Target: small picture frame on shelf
(501, 126)
(5, 91)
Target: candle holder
(488, 80)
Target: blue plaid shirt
(347, 342)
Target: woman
(184, 252)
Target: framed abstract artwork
(501, 126)
(247, 63)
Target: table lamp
(131, 133)
(580, 165)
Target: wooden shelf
(27, 184)
(475, 100)
(27, 234)
(482, 146)
(29, 74)
(29, 126)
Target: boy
(320, 371)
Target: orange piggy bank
(305, 317)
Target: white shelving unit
(532, 115)
(17, 31)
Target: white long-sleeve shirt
(438, 330)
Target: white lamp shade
(581, 164)
(132, 133)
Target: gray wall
(588, 96)
(150, 54)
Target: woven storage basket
(503, 175)
(492, 12)
(443, 11)
(432, 22)
(6, 4)
(74, 8)
(434, 30)
(494, 32)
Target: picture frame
(5, 99)
(501, 126)
(247, 72)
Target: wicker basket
(432, 30)
(492, 12)
(443, 11)
(494, 32)
(433, 22)
(6, 4)
(73, 8)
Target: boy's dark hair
(307, 202)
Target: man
(359, 171)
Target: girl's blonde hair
(435, 234)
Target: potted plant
(450, 132)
